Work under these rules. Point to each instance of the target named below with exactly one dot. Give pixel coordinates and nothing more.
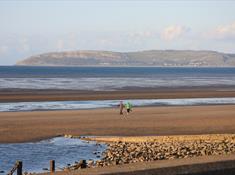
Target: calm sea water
(106, 78)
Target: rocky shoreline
(160, 148)
(124, 153)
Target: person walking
(128, 107)
(121, 107)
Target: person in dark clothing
(121, 107)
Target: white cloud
(104, 42)
(3, 49)
(60, 44)
(25, 48)
(224, 32)
(23, 45)
(174, 32)
(142, 34)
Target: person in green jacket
(128, 107)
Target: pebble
(118, 153)
(68, 136)
(123, 152)
(78, 165)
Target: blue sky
(34, 27)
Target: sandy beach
(32, 126)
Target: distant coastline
(113, 66)
(149, 58)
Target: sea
(112, 78)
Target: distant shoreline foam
(95, 104)
(114, 83)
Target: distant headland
(160, 58)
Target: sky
(33, 27)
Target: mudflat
(16, 95)
(182, 120)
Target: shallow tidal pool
(37, 155)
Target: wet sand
(32, 126)
(196, 165)
(163, 139)
(17, 95)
